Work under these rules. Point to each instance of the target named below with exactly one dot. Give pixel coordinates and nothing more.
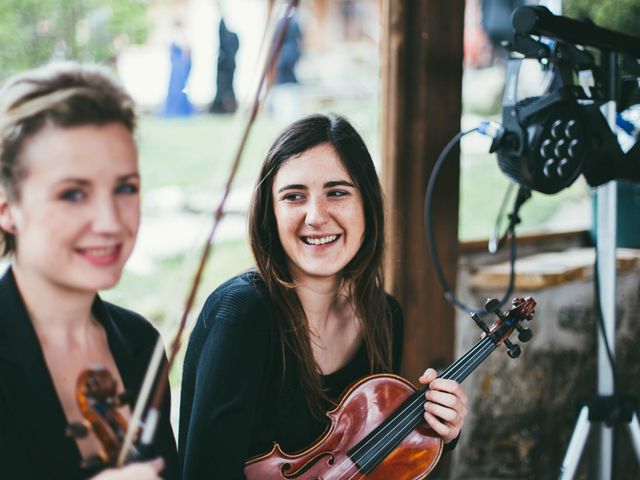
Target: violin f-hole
(307, 466)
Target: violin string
(451, 372)
(399, 424)
(411, 405)
(417, 404)
(410, 409)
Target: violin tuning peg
(76, 430)
(513, 351)
(479, 322)
(524, 334)
(493, 306)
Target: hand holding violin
(446, 405)
(136, 471)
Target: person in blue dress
(177, 103)
(290, 53)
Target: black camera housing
(549, 140)
(552, 134)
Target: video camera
(545, 142)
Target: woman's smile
(101, 256)
(320, 240)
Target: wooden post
(421, 110)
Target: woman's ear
(7, 222)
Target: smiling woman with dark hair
(275, 348)
(69, 216)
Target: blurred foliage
(620, 15)
(33, 32)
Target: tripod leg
(605, 461)
(576, 445)
(634, 431)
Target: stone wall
(522, 411)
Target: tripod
(530, 24)
(608, 408)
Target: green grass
(160, 296)
(196, 153)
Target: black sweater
(235, 401)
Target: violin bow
(150, 423)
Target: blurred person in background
(225, 99)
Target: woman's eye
(292, 197)
(128, 188)
(72, 195)
(338, 193)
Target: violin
(377, 431)
(99, 403)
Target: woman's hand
(446, 405)
(135, 471)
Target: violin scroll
(499, 332)
(99, 402)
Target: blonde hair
(61, 94)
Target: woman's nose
(106, 218)
(317, 213)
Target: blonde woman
(69, 215)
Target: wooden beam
(541, 241)
(421, 109)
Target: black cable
(496, 240)
(523, 195)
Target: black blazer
(33, 444)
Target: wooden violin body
(365, 406)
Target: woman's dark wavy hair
(362, 277)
